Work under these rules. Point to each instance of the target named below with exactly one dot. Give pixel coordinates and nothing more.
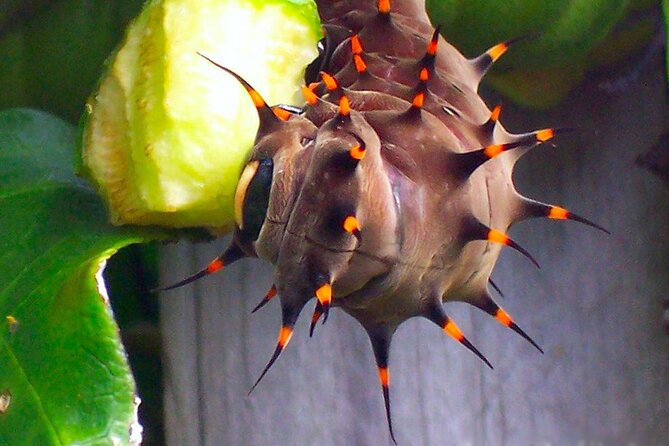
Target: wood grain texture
(595, 307)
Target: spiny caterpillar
(390, 191)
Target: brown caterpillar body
(390, 192)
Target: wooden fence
(595, 307)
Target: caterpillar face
(390, 191)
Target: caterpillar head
(390, 192)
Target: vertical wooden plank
(178, 320)
(595, 307)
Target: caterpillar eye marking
(240, 193)
(252, 198)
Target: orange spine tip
(356, 46)
(418, 100)
(330, 82)
(503, 317)
(432, 46)
(309, 95)
(282, 114)
(258, 101)
(493, 150)
(558, 213)
(494, 114)
(324, 294)
(497, 51)
(357, 152)
(284, 336)
(351, 224)
(496, 236)
(384, 6)
(360, 65)
(384, 376)
(545, 134)
(453, 331)
(424, 74)
(271, 293)
(344, 106)
(214, 266)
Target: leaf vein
(33, 391)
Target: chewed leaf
(64, 378)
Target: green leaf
(52, 52)
(564, 40)
(64, 378)
(559, 31)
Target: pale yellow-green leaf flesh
(167, 133)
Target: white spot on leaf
(136, 429)
(100, 281)
(5, 399)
